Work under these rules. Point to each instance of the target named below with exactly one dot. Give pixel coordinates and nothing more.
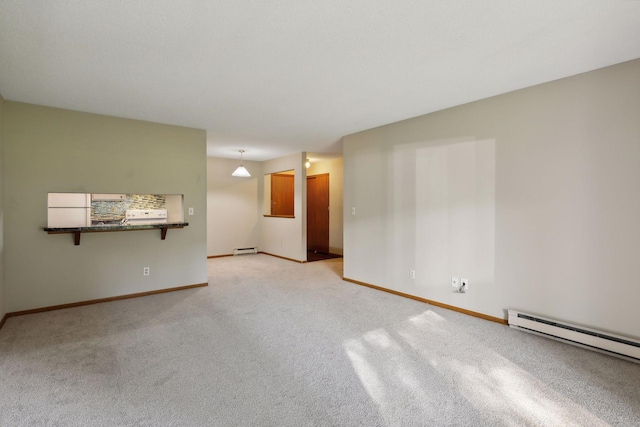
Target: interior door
(318, 213)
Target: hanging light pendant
(241, 170)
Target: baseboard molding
(100, 300)
(4, 319)
(219, 256)
(436, 303)
(284, 257)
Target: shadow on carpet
(319, 256)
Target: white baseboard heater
(242, 251)
(614, 345)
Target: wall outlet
(145, 271)
(464, 284)
(412, 274)
(190, 211)
(353, 211)
(455, 283)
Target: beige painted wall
(533, 195)
(55, 150)
(334, 167)
(3, 305)
(233, 206)
(287, 237)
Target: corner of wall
(234, 206)
(3, 304)
(287, 237)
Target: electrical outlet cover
(454, 282)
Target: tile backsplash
(115, 210)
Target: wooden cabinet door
(282, 194)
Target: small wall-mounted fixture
(241, 170)
(307, 164)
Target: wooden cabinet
(282, 194)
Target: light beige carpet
(276, 343)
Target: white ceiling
(275, 77)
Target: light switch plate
(190, 211)
(454, 282)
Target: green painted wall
(54, 150)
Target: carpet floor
(275, 343)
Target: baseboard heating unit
(592, 339)
(242, 251)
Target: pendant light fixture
(241, 170)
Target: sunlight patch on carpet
(502, 392)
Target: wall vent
(592, 339)
(243, 251)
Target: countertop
(115, 227)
